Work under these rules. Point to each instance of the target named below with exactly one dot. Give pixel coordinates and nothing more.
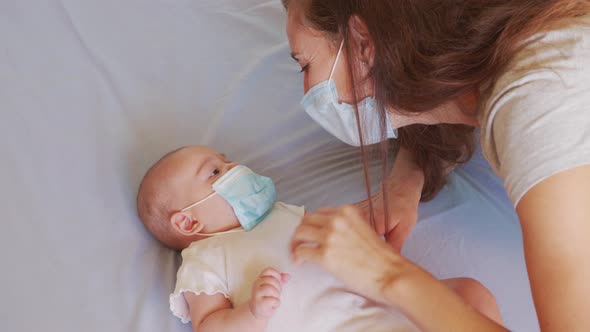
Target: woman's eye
(215, 172)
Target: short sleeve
(536, 122)
(203, 271)
(538, 130)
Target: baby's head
(175, 182)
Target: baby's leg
(476, 295)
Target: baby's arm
(215, 312)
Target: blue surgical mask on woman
(339, 119)
(250, 195)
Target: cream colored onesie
(311, 301)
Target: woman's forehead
(303, 38)
(295, 32)
(300, 33)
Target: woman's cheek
(306, 84)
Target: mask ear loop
(199, 202)
(334, 92)
(236, 230)
(336, 61)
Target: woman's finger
(303, 254)
(327, 210)
(325, 215)
(306, 233)
(316, 219)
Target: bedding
(93, 92)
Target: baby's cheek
(219, 215)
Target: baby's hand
(266, 293)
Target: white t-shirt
(537, 121)
(311, 301)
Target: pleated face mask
(322, 104)
(250, 195)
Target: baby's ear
(184, 224)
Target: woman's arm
(555, 219)
(431, 305)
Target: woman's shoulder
(560, 55)
(555, 63)
(537, 106)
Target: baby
(234, 238)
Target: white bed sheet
(92, 92)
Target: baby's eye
(214, 173)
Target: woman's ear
(361, 40)
(184, 224)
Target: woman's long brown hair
(430, 52)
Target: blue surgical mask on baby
(251, 196)
(322, 104)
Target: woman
(517, 69)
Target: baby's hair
(153, 205)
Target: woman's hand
(339, 240)
(404, 190)
(343, 244)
